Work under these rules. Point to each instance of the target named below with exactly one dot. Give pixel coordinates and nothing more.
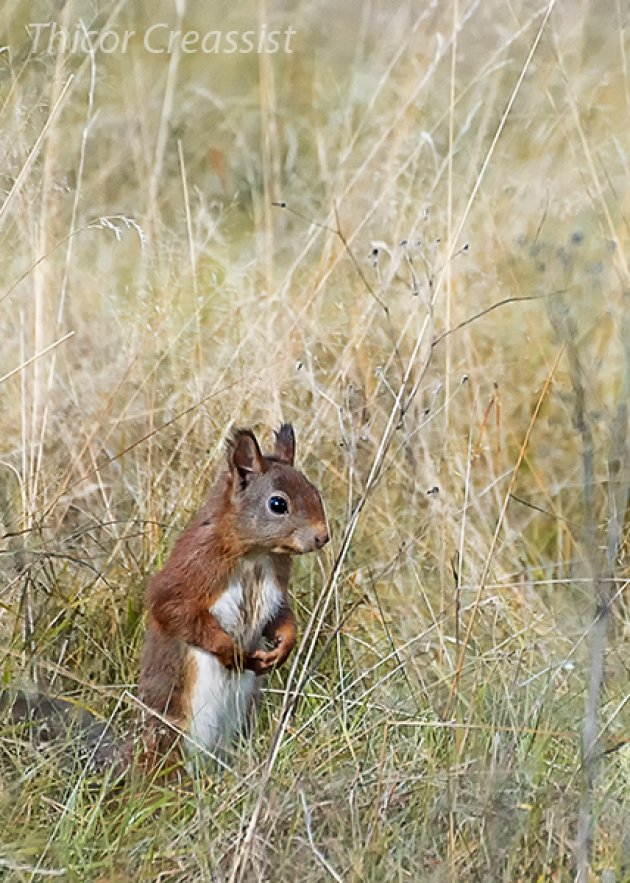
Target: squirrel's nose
(321, 539)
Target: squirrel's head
(274, 507)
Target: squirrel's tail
(53, 721)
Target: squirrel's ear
(244, 454)
(285, 444)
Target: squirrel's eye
(277, 505)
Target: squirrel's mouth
(285, 549)
(293, 548)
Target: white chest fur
(221, 700)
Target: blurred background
(405, 231)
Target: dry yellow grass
(408, 236)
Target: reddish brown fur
(204, 557)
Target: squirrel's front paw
(230, 656)
(261, 662)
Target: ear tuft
(285, 444)
(244, 454)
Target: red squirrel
(223, 594)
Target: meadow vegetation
(408, 236)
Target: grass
(409, 237)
